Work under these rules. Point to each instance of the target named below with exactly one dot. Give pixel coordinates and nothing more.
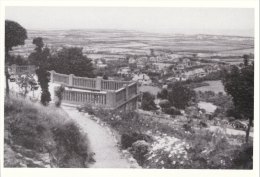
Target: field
(118, 43)
(215, 86)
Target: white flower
(162, 162)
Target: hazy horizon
(164, 20)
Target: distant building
(161, 66)
(199, 72)
(124, 71)
(142, 79)
(100, 64)
(131, 60)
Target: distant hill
(122, 42)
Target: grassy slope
(38, 136)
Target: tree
(246, 59)
(23, 82)
(15, 35)
(148, 102)
(239, 83)
(72, 61)
(180, 95)
(44, 79)
(41, 58)
(163, 94)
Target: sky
(226, 21)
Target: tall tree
(72, 61)
(40, 58)
(246, 59)
(239, 83)
(180, 95)
(15, 35)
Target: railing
(60, 78)
(112, 85)
(87, 83)
(96, 91)
(96, 98)
(24, 69)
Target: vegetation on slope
(155, 143)
(38, 136)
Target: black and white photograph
(129, 87)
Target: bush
(163, 94)
(58, 92)
(187, 127)
(148, 102)
(171, 111)
(87, 108)
(203, 124)
(165, 104)
(127, 139)
(139, 149)
(243, 157)
(71, 146)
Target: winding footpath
(102, 143)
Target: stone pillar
(99, 83)
(126, 91)
(136, 99)
(111, 99)
(71, 80)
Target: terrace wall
(97, 92)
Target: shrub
(86, 108)
(163, 94)
(167, 152)
(243, 157)
(203, 124)
(187, 127)
(171, 111)
(165, 104)
(70, 145)
(139, 149)
(127, 139)
(58, 92)
(148, 102)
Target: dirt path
(232, 131)
(102, 143)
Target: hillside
(38, 136)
